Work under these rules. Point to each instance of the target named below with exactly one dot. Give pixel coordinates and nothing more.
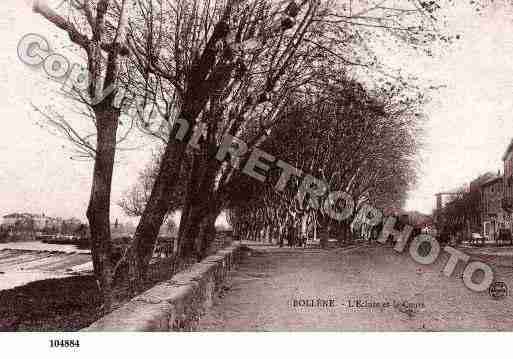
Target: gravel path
(260, 295)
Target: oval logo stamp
(498, 290)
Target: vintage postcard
(255, 166)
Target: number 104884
(64, 343)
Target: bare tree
(134, 199)
(364, 143)
(231, 66)
(104, 42)
(202, 56)
(210, 69)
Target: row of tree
(363, 143)
(276, 74)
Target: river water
(25, 262)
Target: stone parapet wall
(176, 304)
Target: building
(507, 159)
(493, 215)
(40, 221)
(453, 219)
(475, 210)
(486, 206)
(37, 222)
(13, 219)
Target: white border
(260, 345)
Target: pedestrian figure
(291, 238)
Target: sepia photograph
(285, 166)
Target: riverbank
(67, 303)
(64, 304)
(20, 266)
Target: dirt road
(370, 288)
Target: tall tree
(232, 66)
(99, 28)
(209, 44)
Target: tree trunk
(191, 230)
(98, 211)
(155, 211)
(207, 234)
(102, 91)
(199, 212)
(158, 204)
(323, 241)
(190, 200)
(201, 202)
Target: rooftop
(492, 181)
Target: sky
(36, 172)
(469, 120)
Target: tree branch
(75, 36)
